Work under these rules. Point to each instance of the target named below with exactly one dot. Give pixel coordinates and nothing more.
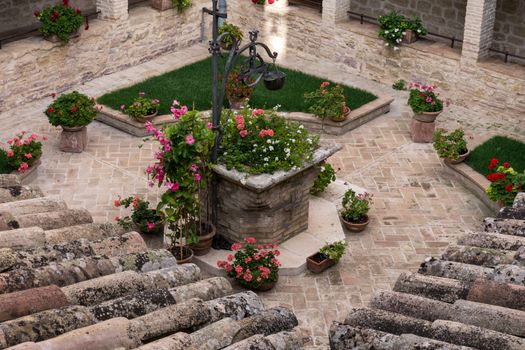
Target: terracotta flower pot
(205, 241)
(147, 118)
(161, 5)
(265, 286)
(186, 252)
(410, 37)
(318, 262)
(237, 103)
(73, 139)
(461, 158)
(427, 117)
(356, 226)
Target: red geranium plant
(61, 20)
(252, 265)
(505, 182)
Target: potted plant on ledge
(235, 35)
(354, 213)
(451, 147)
(60, 22)
(23, 156)
(329, 102)
(142, 109)
(327, 256)
(253, 266)
(73, 112)
(144, 219)
(395, 29)
(164, 5)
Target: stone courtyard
(418, 208)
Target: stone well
(269, 207)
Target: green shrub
(181, 5)
(450, 146)
(235, 32)
(71, 110)
(325, 177)
(335, 250)
(141, 107)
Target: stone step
(47, 221)
(18, 193)
(68, 272)
(104, 288)
(52, 323)
(512, 213)
(493, 317)
(492, 241)
(90, 231)
(439, 288)
(502, 294)
(34, 205)
(10, 259)
(505, 226)
(289, 340)
(454, 270)
(9, 180)
(18, 304)
(387, 321)
(478, 256)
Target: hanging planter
(274, 80)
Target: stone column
(113, 9)
(335, 11)
(479, 27)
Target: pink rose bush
(252, 265)
(24, 150)
(258, 141)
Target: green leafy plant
(356, 206)
(325, 177)
(141, 107)
(335, 250)
(182, 168)
(5, 168)
(450, 146)
(235, 34)
(142, 215)
(393, 27)
(71, 110)
(328, 101)
(424, 99)
(252, 265)
(237, 89)
(25, 149)
(181, 5)
(505, 182)
(258, 141)
(61, 20)
(400, 85)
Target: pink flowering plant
(252, 264)
(424, 98)
(181, 168)
(327, 102)
(24, 150)
(356, 206)
(146, 218)
(258, 141)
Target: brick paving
(417, 210)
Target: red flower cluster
(493, 163)
(495, 177)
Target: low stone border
(357, 117)
(121, 121)
(474, 181)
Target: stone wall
(19, 13)
(509, 28)
(33, 67)
(355, 48)
(445, 17)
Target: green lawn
(502, 148)
(191, 85)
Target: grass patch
(191, 85)
(502, 148)
(4, 166)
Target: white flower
(298, 131)
(266, 159)
(225, 153)
(398, 40)
(309, 140)
(386, 31)
(301, 126)
(322, 168)
(269, 141)
(396, 30)
(396, 48)
(404, 33)
(271, 148)
(293, 140)
(419, 30)
(276, 141)
(276, 158)
(386, 44)
(287, 150)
